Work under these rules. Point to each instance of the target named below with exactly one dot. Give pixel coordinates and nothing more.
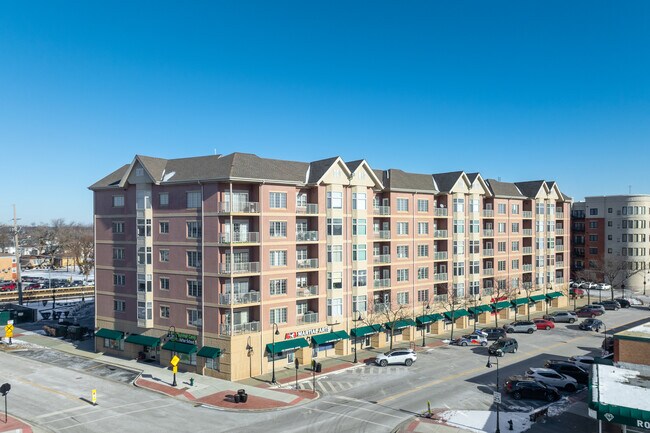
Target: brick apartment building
(235, 261)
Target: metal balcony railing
(242, 328)
(559, 231)
(488, 213)
(488, 271)
(488, 232)
(441, 212)
(527, 214)
(559, 247)
(440, 276)
(308, 318)
(239, 298)
(383, 258)
(307, 264)
(380, 308)
(238, 207)
(304, 292)
(559, 214)
(383, 234)
(440, 255)
(239, 268)
(559, 263)
(527, 232)
(239, 238)
(527, 268)
(487, 291)
(527, 285)
(309, 236)
(489, 252)
(559, 280)
(381, 210)
(384, 282)
(440, 298)
(309, 209)
(527, 250)
(440, 233)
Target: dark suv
(568, 369)
(523, 387)
(609, 305)
(502, 346)
(494, 333)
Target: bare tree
(616, 271)
(386, 314)
(6, 239)
(79, 244)
(450, 305)
(500, 293)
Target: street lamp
(644, 275)
(356, 338)
(172, 336)
(605, 326)
(424, 326)
(497, 399)
(623, 288)
(277, 332)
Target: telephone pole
(19, 285)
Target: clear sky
(519, 90)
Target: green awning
(330, 337)
(281, 346)
(143, 340)
(110, 334)
(480, 309)
(520, 301)
(209, 352)
(365, 330)
(500, 305)
(538, 298)
(424, 320)
(437, 317)
(400, 324)
(457, 314)
(177, 346)
(554, 295)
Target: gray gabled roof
(154, 166)
(399, 180)
(446, 181)
(504, 189)
(566, 197)
(318, 168)
(353, 165)
(112, 179)
(530, 188)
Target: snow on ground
(61, 274)
(485, 421)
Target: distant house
(7, 267)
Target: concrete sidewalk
(14, 425)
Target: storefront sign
(184, 338)
(306, 333)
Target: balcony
(239, 238)
(239, 268)
(527, 285)
(559, 263)
(559, 247)
(441, 212)
(307, 291)
(381, 210)
(440, 298)
(383, 258)
(381, 307)
(528, 232)
(307, 264)
(440, 234)
(308, 318)
(383, 234)
(559, 215)
(310, 236)
(238, 207)
(527, 214)
(559, 280)
(488, 232)
(440, 255)
(487, 291)
(488, 252)
(308, 209)
(380, 283)
(488, 271)
(239, 298)
(242, 328)
(527, 268)
(527, 250)
(440, 277)
(488, 213)
(559, 232)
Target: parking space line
(115, 416)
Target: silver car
(397, 356)
(551, 377)
(562, 316)
(521, 326)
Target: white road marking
(98, 409)
(114, 416)
(353, 417)
(367, 410)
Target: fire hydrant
(191, 381)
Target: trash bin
(319, 367)
(241, 391)
(237, 398)
(243, 398)
(74, 333)
(61, 330)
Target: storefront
(501, 309)
(520, 305)
(185, 351)
(285, 351)
(539, 301)
(557, 299)
(481, 313)
(329, 344)
(208, 360)
(111, 341)
(362, 336)
(401, 330)
(459, 317)
(145, 347)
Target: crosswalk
(327, 387)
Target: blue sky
(517, 90)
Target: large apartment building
(239, 264)
(609, 234)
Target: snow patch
(485, 421)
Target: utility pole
(19, 286)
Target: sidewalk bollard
(191, 381)
(510, 427)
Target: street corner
(231, 400)
(162, 387)
(14, 425)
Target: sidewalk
(14, 425)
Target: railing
(488, 213)
(440, 233)
(441, 212)
(383, 282)
(487, 291)
(308, 318)
(489, 252)
(559, 247)
(310, 236)
(46, 294)
(559, 263)
(559, 214)
(488, 232)
(527, 232)
(242, 328)
(384, 258)
(440, 255)
(309, 209)
(440, 277)
(488, 271)
(383, 234)
(239, 238)
(304, 292)
(527, 285)
(238, 207)
(527, 268)
(440, 298)
(307, 264)
(381, 210)
(527, 214)
(239, 298)
(559, 232)
(239, 268)
(559, 280)
(381, 308)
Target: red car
(589, 312)
(6, 287)
(544, 324)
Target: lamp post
(424, 326)
(605, 326)
(172, 336)
(356, 339)
(497, 399)
(644, 275)
(623, 288)
(277, 332)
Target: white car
(588, 285)
(397, 356)
(603, 286)
(552, 378)
(583, 361)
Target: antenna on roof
(215, 150)
(629, 188)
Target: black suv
(624, 303)
(524, 387)
(494, 333)
(609, 305)
(591, 325)
(503, 345)
(568, 369)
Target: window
(423, 295)
(118, 227)
(164, 255)
(502, 246)
(474, 267)
(539, 208)
(278, 200)
(278, 258)
(194, 288)
(515, 227)
(403, 298)
(360, 303)
(423, 228)
(359, 278)
(278, 315)
(423, 250)
(458, 290)
(609, 237)
(501, 208)
(163, 199)
(610, 210)
(550, 243)
(515, 209)
(193, 229)
(593, 211)
(193, 199)
(474, 205)
(334, 200)
(334, 253)
(301, 199)
(119, 305)
(139, 171)
(278, 229)
(539, 226)
(423, 273)
(118, 253)
(194, 259)
(515, 246)
(474, 247)
(359, 252)
(402, 251)
(594, 251)
(474, 288)
(474, 226)
(302, 308)
(118, 201)
(459, 269)
(402, 275)
(593, 224)
(164, 311)
(515, 264)
(334, 226)
(359, 200)
(119, 279)
(402, 205)
(423, 205)
(459, 226)
(459, 247)
(194, 317)
(163, 227)
(459, 205)
(593, 238)
(213, 364)
(501, 265)
(335, 307)
(164, 283)
(334, 280)
(402, 228)
(359, 227)
(501, 227)
(278, 287)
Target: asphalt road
(53, 393)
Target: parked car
(520, 326)
(544, 324)
(584, 362)
(588, 285)
(7, 287)
(576, 293)
(603, 286)
(471, 340)
(553, 378)
(398, 356)
(594, 305)
(494, 333)
(568, 369)
(624, 303)
(33, 286)
(634, 301)
(562, 316)
(591, 325)
(502, 346)
(589, 312)
(525, 387)
(609, 305)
